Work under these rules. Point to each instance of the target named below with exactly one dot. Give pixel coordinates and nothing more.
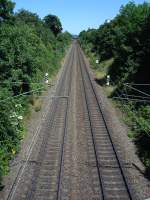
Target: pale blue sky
(75, 15)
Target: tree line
(29, 48)
(126, 40)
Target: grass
(104, 65)
(37, 105)
(109, 90)
(100, 74)
(100, 71)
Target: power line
(137, 90)
(130, 99)
(21, 82)
(22, 94)
(138, 84)
(136, 96)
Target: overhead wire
(22, 94)
(120, 97)
(137, 90)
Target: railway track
(42, 177)
(74, 156)
(112, 178)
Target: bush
(28, 50)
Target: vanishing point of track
(47, 174)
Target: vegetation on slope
(125, 40)
(29, 48)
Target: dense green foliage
(6, 10)
(53, 23)
(28, 50)
(126, 40)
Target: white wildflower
(13, 115)
(14, 123)
(20, 117)
(18, 106)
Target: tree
(28, 17)
(53, 22)
(6, 10)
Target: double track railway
(67, 159)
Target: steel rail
(59, 91)
(91, 128)
(64, 132)
(81, 57)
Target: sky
(75, 15)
